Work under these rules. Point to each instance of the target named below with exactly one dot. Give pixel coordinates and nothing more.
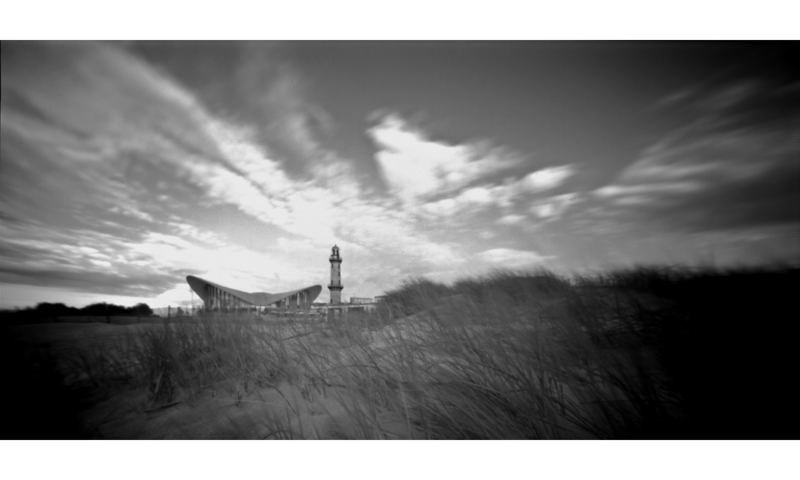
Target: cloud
(546, 178)
(35, 254)
(471, 198)
(421, 171)
(649, 189)
(676, 98)
(249, 83)
(553, 207)
(437, 180)
(712, 99)
(511, 219)
(731, 166)
(503, 197)
(511, 258)
(416, 168)
(729, 96)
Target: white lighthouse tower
(335, 286)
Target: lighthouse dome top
(335, 252)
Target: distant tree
(103, 309)
(142, 310)
(52, 310)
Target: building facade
(219, 298)
(361, 300)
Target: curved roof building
(220, 297)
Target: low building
(219, 298)
(360, 300)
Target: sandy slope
(227, 410)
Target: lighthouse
(335, 286)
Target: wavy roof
(254, 298)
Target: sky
(126, 166)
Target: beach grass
(631, 354)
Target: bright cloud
(440, 180)
(511, 258)
(416, 167)
(511, 219)
(670, 188)
(547, 178)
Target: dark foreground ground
(645, 353)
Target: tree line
(44, 311)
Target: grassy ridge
(642, 353)
(667, 353)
